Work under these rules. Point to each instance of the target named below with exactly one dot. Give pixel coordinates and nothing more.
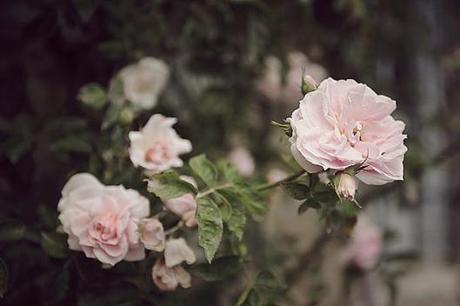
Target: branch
(276, 184)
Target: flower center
(356, 134)
(105, 226)
(158, 153)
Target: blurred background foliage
(217, 51)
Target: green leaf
(3, 278)
(169, 185)
(54, 244)
(220, 268)
(205, 169)
(12, 230)
(93, 95)
(265, 290)
(237, 222)
(210, 226)
(326, 197)
(242, 193)
(308, 203)
(228, 170)
(72, 144)
(224, 206)
(297, 191)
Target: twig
(276, 184)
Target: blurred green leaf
(220, 268)
(72, 144)
(210, 226)
(93, 95)
(297, 191)
(3, 278)
(11, 230)
(205, 169)
(169, 185)
(54, 244)
(308, 203)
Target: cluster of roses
(342, 129)
(112, 223)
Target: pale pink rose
(185, 205)
(152, 234)
(177, 251)
(271, 84)
(168, 278)
(347, 186)
(344, 123)
(157, 146)
(365, 246)
(102, 221)
(243, 161)
(140, 83)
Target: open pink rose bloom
(344, 123)
(102, 221)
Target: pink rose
(177, 251)
(152, 234)
(185, 205)
(157, 146)
(365, 246)
(344, 123)
(102, 221)
(168, 278)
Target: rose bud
(151, 234)
(347, 186)
(308, 84)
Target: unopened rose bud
(152, 234)
(347, 186)
(308, 84)
(126, 116)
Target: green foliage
(266, 289)
(54, 244)
(11, 230)
(221, 268)
(169, 185)
(210, 226)
(204, 169)
(297, 191)
(93, 95)
(3, 278)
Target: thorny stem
(276, 184)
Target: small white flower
(168, 278)
(140, 83)
(177, 251)
(157, 146)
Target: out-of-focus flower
(365, 246)
(157, 146)
(177, 251)
(168, 278)
(152, 234)
(274, 175)
(243, 161)
(347, 186)
(271, 84)
(185, 205)
(102, 221)
(140, 83)
(344, 123)
(308, 84)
